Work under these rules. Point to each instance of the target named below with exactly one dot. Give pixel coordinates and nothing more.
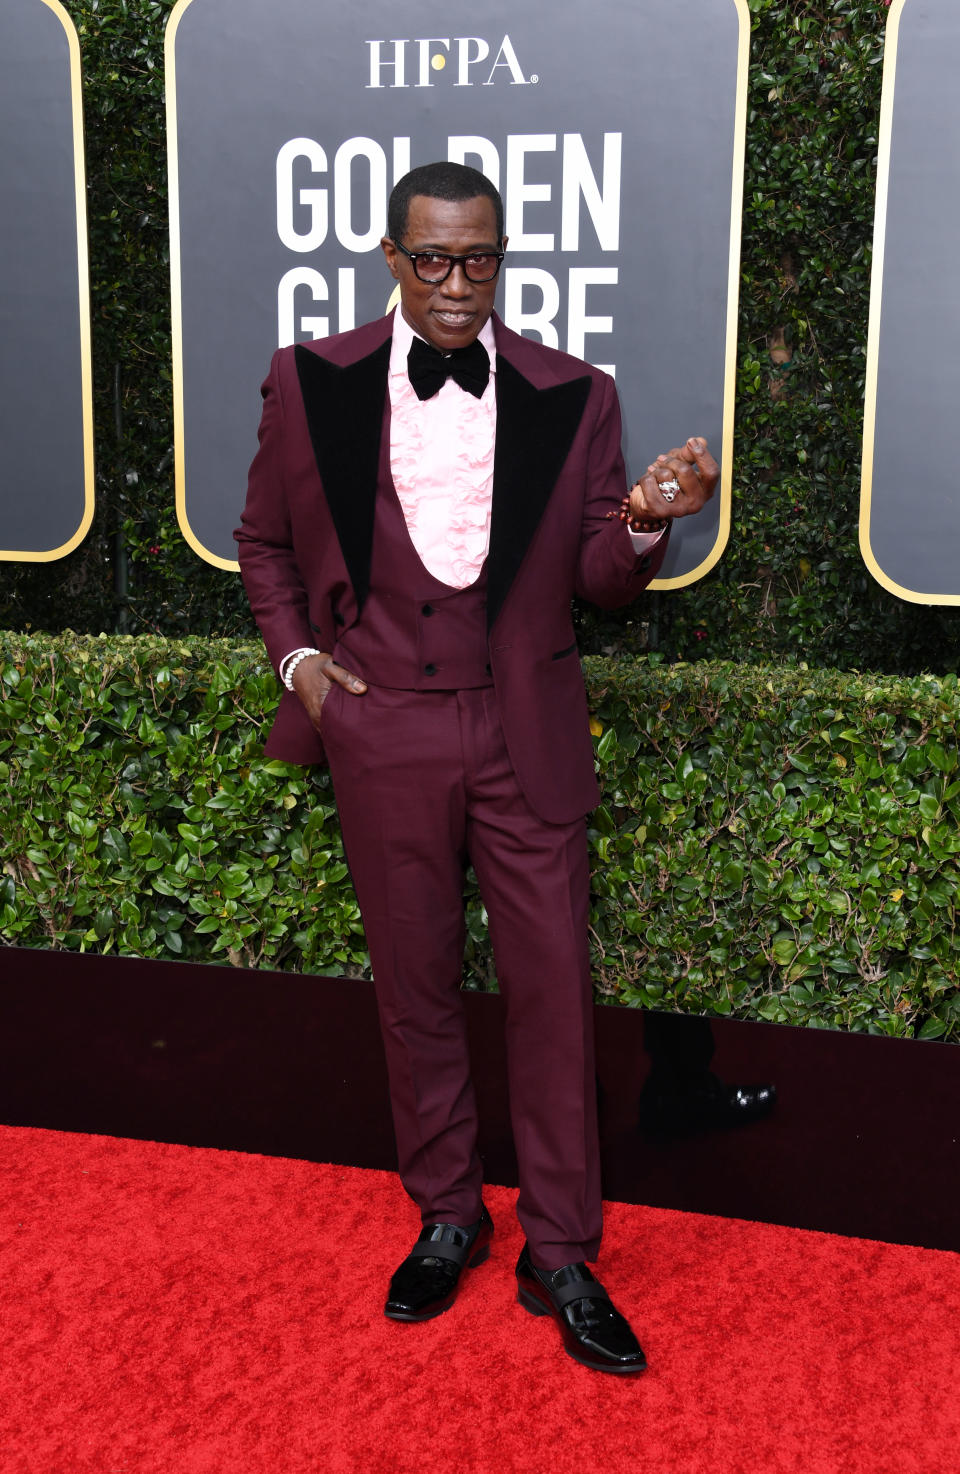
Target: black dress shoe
(680, 1108)
(427, 1281)
(594, 1332)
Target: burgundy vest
(414, 633)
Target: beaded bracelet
(636, 524)
(292, 664)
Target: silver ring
(669, 489)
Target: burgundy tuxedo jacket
(307, 530)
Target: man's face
(449, 314)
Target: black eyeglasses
(436, 266)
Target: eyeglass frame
(454, 261)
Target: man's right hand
(313, 678)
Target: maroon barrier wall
(863, 1140)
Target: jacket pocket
(562, 654)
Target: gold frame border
(176, 301)
(892, 37)
(733, 299)
(83, 282)
(733, 304)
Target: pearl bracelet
(292, 664)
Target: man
(430, 491)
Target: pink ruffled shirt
(441, 457)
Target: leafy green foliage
(141, 816)
(779, 844)
(773, 844)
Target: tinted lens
(430, 266)
(481, 267)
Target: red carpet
(167, 1310)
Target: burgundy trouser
(424, 784)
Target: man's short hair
(439, 181)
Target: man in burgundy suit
(430, 492)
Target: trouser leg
(397, 775)
(422, 781)
(534, 879)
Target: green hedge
(773, 844)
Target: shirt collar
(403, 336)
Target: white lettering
(426, 57)
(465, 61)
(520, 193)
(346, 299)
(401, 158)
(465, 145)
(294, 329)
(289, 329)
(471, 50)
(507, 57)
(314, 199)
(377, 65)
(376, 196)
(579, 179)
(540, 320)
(578, 323)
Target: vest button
(430, 669)
(427, 609)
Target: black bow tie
(429, 369)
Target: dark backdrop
(792, 584)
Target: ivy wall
(771, 844)
(792, 585)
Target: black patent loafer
(427, 1281)
(594, 1332)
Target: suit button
(430, 670)
(489, 671)
(337, 617)
(427, 609)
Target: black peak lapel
(344, 406)
(535, 430)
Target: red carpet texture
(167, 1310)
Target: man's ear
(392, 254)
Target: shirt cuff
(643, 541)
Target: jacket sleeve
(268, 563)
(609, 572)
